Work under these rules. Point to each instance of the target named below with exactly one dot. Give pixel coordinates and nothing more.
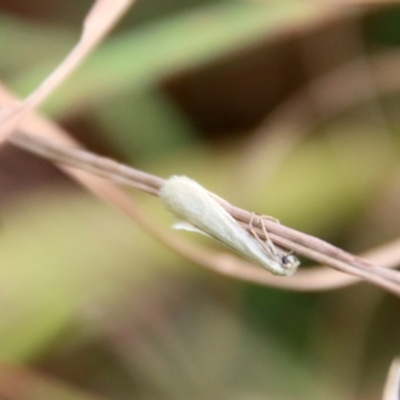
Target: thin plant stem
(301, 243)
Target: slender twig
(392, 385)
(102, 16)
(306, 245)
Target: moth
(196, 210)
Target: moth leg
(273, 219)
(251, 228)
(266, 244)
(253, 231)
(267, 237)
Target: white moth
(196, 210)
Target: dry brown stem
(306, 245)
(100, 19)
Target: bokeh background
(290, 108)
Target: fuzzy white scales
(196, 210)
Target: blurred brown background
(289, 108)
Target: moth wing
(187, 226)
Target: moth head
(289, 263)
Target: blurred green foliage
(383, 28)
(92, 302)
